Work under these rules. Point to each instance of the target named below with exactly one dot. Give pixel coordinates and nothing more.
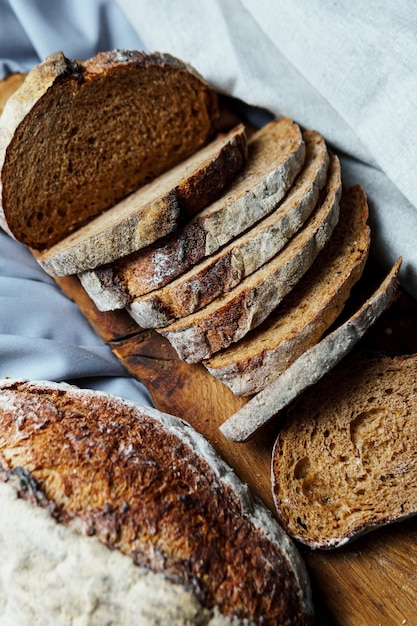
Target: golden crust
(109, 468)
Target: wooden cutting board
(374, 580)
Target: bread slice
(312, 365)
(221, 272)
(147, 485)
(275, 156)
(346, 462)
(307, 312)
(152, 211)
(231, 316)
(84, 134)
(8, 86)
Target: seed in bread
(307, 312)
(276, 155)
(232, 315)
(346, 462)
(78, 136)
(146, 484)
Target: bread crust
(231, 316)
(221, 272)
(276, 155)
(82, 104)
(149, 486)
(147, 214)
(307, 312)
(312, 365)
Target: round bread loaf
(147, 485)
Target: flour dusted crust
(312, 365)
(231, 316)
(220, 272)
(307, 312)
(276, 155)
(52, 575)
(149, 487)
(345, 463)
(102, 135)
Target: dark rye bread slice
(231, 316)
(275, 156)
(312, 365)
(307, 312)
(221, 272)
(149, 486)
(346, 462)
(82, 135)
(152, 211)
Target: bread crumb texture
(152, 489)
(346, 462)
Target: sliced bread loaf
(221, 272)
(312, 365)
(153, 210)
(275, 156)
(307, 312)
(231, 316)
(77, 137)
(346, 461)
(148, 486)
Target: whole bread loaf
(148, 486)
(84, 134)
(346, 462)
(312, 365)
(232, 315)
(220, 272)
(249, 365)
(275, 156)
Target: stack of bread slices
(239, 247)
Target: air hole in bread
(301, 523)
(302, 468)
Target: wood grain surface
(370, 582)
